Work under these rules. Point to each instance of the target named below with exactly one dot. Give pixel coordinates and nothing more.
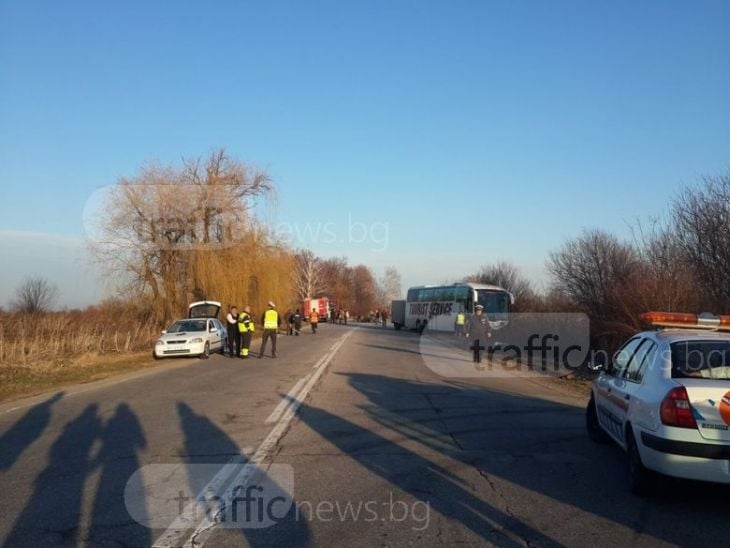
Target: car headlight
(198, 340)
(159, 343)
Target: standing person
(347, 316)
(234, 337)
(271, 321)
(246, 328)
(384, 317)
(297, 319)
(479, 330)
(459, 324)
(289, 322)
(314, 320)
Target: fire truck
(321, 305)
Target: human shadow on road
(23, 433)
(51, 515)
(423, 479)
(207, 444)
(541, 447)
(122, 438)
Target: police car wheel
(641, 479)
(595, 432)
(206, 352)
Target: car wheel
(155, 356)
(206, 352)
(595, 432)
(641, 479)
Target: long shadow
(206, 445)
(122, 438)
(24, 432)
(541, 446)
(433, 485)
(51, 516)
(459, 353)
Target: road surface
(347, 439)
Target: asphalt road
(347, 439)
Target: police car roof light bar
(687, 321)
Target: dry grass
(44, 350)
(58, 339)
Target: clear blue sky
(476, 131)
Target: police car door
(611, 403)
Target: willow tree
(174, 234)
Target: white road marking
(175, 536)
(286, 401)
(187, 519)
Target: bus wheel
(423, 326)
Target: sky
(434, 136)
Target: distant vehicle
(321, 305)
(665, 399)
(197, 335)
(398, 314)
(436, 306)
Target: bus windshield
(495, 303)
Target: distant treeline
(680, 262)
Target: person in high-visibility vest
(246, 328)
(459, 324)
(271, 321)
(314, 320)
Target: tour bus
(436, 306)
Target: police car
(665, 399)
(197, 335)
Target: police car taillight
(676, 409)
(684, 320)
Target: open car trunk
(204, 309)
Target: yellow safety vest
(244, 323)
(271, 319)
(460, 318)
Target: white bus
(436, 306)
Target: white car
(665, 399)
(197, 335)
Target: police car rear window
(701, 360)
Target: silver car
(197, 335)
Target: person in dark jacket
(234, 337)
(479, 331)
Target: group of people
(379, 317)
(294, 321)
(241, 328)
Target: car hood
(182, 336)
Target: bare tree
(389, 287)
(35, 295)
(336, 275)
(169, 232)
(594, 271)
(508, 276)
(308, 274)
(364, 289)
(701, 218)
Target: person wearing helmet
(479, 331)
